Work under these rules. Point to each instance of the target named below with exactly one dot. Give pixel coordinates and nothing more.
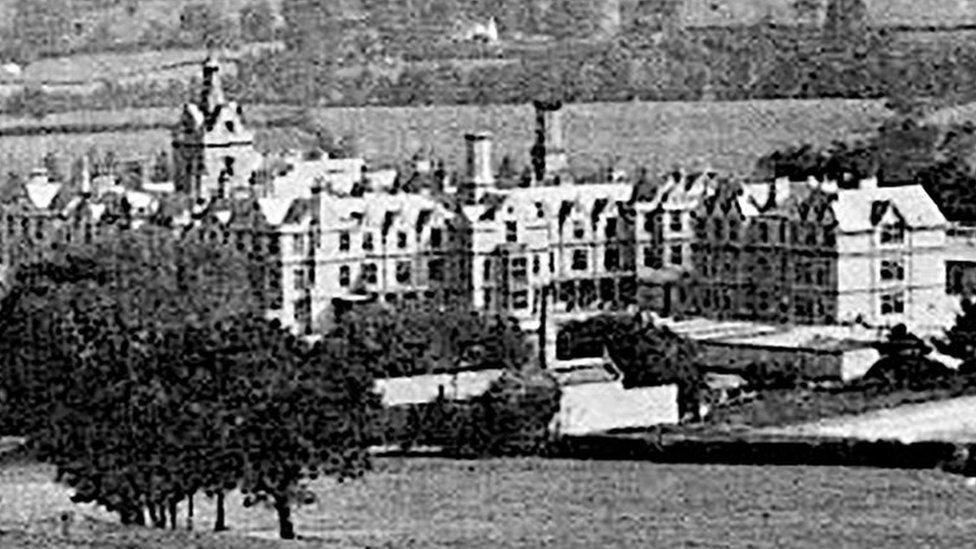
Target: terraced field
(567, 504)
(726, 136)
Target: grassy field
(726, 136)
(567, 504)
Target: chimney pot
(479, 171)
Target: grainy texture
(539, 503)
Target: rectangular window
(733, 231)
(370, 273)
(763, 232)
(611, 259)
(892, 269)
(401, 240)
(579, 260)
(579, 230)
(892, 234)
(520, 300)
(511, 231)
(520, 270)
(298, 275)
(487, 270)
(298, 244)
(435, 270)
(649, 257)
(892, 304)
(649, 222)
(677, 255)
(829, 238)
(717, 225)
(368, 241)
(436, 238)
(782, 232)
(676, 224)
(610, 230)
(344, 241)
(344, 276)
(403, 274)
(536, 264)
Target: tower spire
(212, 95)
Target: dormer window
(436, 238)
(579, 230)
(401, 240)
(368, 241)
(892, 233)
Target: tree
(648, 355)
(257, 21)
(422, 340)
(960, 340)
(512, 418)
(904, 360)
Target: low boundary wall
(743, 450)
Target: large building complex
(329, 233)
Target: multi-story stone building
(327, 233)
(813, 253)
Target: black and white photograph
(567, 274)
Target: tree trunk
(286, 529)
(172, 513)
(220, 524)
(189, 512)
(139, 516)
(153, 515)
(162, 516)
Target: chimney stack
(84, 177)
(479, 173)
(548, 153)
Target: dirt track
(952, 420)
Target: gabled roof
(42, 194)
(854, 208)
(274, 209)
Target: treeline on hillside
(338, 55)
(42, 28)
(140, 365)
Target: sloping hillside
(903, 13)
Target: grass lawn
(566, 504)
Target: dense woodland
(395, 53)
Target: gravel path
(951, 420)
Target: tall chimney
(479, 175)
(548, 153)
(84, 177)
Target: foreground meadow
(556, 503)
(726, 136)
